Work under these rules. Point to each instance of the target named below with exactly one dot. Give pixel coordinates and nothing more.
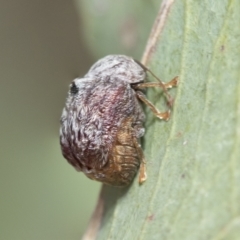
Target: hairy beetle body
(101, 118)
(102, 121)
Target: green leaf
(193, 161)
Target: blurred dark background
(43, 46)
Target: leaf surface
(193, 160)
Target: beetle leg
(168, 85)
(172, 83)
(161, 115)
(164, 86)
(142, 171)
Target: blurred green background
(43, 46)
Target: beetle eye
(73, 88)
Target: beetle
(102, 121)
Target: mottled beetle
(102, 121)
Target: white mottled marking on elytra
(95, 108)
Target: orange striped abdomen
(123, 161)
